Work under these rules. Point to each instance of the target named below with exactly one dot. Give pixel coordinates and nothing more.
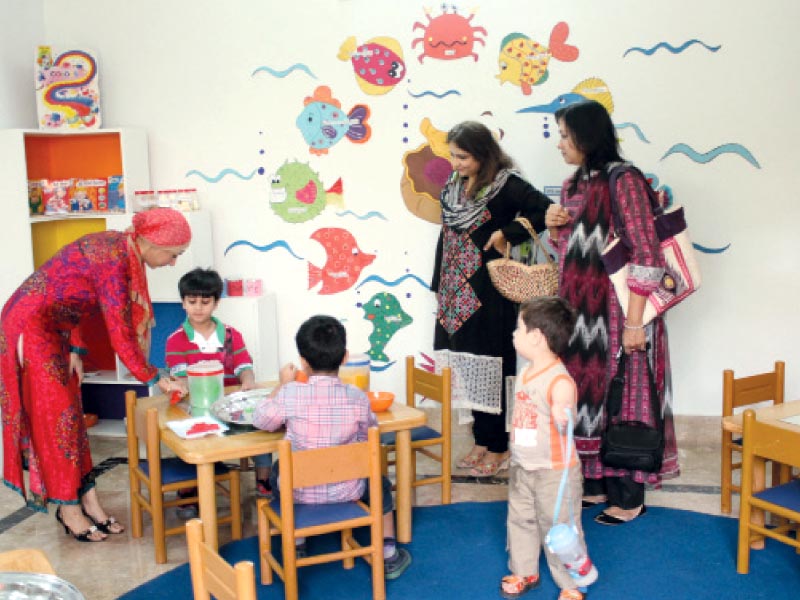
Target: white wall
(184, 71)
(21, 30)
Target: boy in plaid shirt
(325, 412)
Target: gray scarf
(460, 212)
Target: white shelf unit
(15, 144)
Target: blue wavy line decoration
(707, 250)
(712, 154)
(379, 368)
(373, 214)
(434, 94)
(285, 72)
(266, 248)
(394, 283)
(673, 49)
(221, 174)
(636, 130)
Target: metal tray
(38, 586)
(237, 408)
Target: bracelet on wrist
(633, 327)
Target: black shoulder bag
(632, 445)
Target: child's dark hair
(205, 283)
(322, 342)
(551, 315)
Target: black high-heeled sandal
(104, 526)
(84, 536)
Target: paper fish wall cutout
(378, 64)
(297, 194)
(383, 310)
(524, 62)
(344, 263)
(323, 123)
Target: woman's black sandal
(84, 536)
(105, 526)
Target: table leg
(759, 484)
(208, 502)
(404, 479)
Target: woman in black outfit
(480, 201)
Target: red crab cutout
(448, 36)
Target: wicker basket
(518, 281)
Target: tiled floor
(106, 570)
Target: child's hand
(287, 373)
(248, 380)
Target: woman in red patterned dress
(101, 275)
(581, 226)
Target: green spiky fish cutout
(297, 194)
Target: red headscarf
(162, 227)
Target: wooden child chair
(736, 393)
(154, 477)
(290, 520)
(438, 388)
(212, 575)
(781, 445)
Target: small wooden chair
(212, 575)
(154, 477)
(25, 560)
(290, 520)
(438, 388)
(780, 445)
(737, 393)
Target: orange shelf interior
(94, 155)
(84, 156)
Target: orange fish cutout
(345, 261)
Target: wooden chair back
(738, 393)
(212, 575)
(317, 467)
(147, 488)
(436, 387)
(761, 442)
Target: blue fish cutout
(323, 123)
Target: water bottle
(562, 540)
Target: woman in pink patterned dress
(581, 227)
(99, 276)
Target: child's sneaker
(571, 595)
(396, 565)
(187, 511)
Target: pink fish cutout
(345, 261)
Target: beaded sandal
(490, 469)
(473, 459)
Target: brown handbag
(516, 280)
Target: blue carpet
(459, 552)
